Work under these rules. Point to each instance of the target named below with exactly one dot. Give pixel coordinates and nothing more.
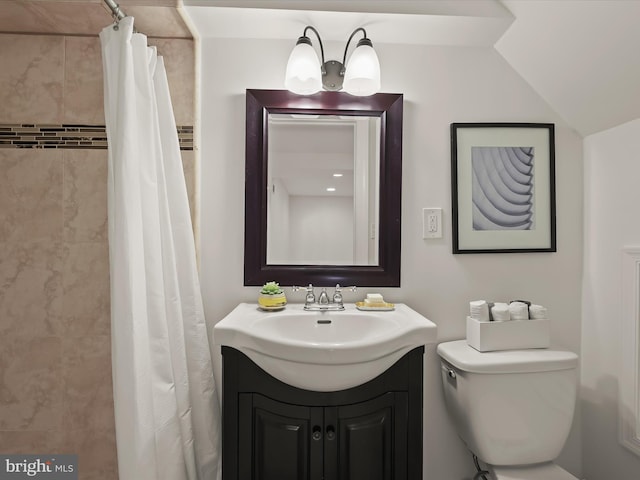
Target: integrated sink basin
(324, 351)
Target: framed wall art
(503, 187)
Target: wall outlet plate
(432, 223)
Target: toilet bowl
(512, 408)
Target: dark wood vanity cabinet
(273, 431)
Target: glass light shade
(362, 75)
(303, 75)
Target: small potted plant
(272, 297)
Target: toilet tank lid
(466, 358)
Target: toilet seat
(542, 471)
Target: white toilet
(512, 408)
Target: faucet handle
(310, 297)
(352, 288)
(337, 294)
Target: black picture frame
(503, 187)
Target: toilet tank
(512, 407)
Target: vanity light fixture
(306, 75)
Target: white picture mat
(540, 236)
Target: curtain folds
(166, 406)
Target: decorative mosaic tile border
(69, 136)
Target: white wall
(312, 218)
(441, 85)
(612, 221)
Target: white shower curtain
(166, 407)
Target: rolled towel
(519, 311)
(537, 312)
(479, 310)
(500, 312)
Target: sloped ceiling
(581, 56)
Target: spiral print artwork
(502, 188)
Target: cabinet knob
(316, 433)
(331, 433)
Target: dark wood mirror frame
(388, 106)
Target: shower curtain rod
(118, 14)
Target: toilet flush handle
(451, 373)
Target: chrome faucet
(323, 299)
(311, 297)
(323, 303)
(337, 294)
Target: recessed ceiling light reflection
(331, 189)
(337, 174)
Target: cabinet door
(368, 440)
(279, 441)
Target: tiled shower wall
(55, 365)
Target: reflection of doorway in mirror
(277, 222)
(323, 175)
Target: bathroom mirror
(322, 189)
(287, 207)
